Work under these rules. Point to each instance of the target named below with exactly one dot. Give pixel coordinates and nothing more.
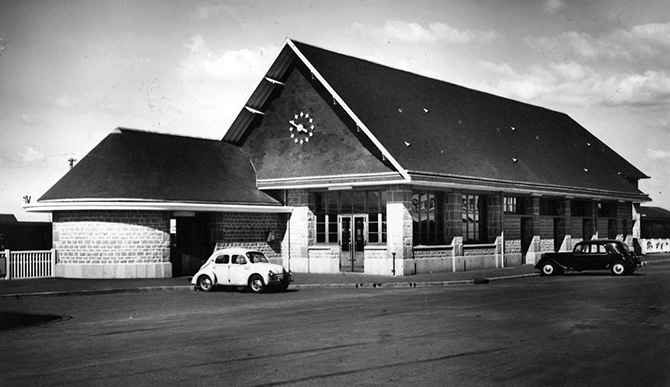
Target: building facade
(354, 166)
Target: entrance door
(559, 233)
(353, 232)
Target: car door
(239, 270)
(220, 268)
(581, 257)
(597, 258)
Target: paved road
(580, 329)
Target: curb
(365, 285)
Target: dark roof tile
(137, 165)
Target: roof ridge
(121, 129)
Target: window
(222, 259)
(326, 210)
(471, 218)
(510, 203)
(376, 217)
(579, 208)
(607, 209)
(427, 216)
(239, 259)
(550, 207)
(327, 205)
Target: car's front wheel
(205, 283)
(256, 284)
(618, 268)
(549, 268)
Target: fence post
(53, 263)
(8, 262)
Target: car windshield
(256, 257)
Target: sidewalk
(68, 286)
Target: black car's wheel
(619, 268)
(256, 284)
(205, 283)
(549, 268)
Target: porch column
(399, 229)
(301, 230)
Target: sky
(72, 71)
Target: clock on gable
(302, 128)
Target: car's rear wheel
(549, 268)
(205, 283)
(618, 268)
(256, 284)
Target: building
(15, 235)
(355, 167)
(654, 223)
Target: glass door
(352, 239)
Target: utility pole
(72, 161)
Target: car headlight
(271, 274)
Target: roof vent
(513, 128)
(406, 143)
(514, 159)
(400, 110)
(588, 144)
(425, 110)
(586, 170)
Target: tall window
(471, 217)
(327, 205)
(326, 208)
(510, 203)
(427, 217)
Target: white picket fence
(27, 264)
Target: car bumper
(277, 279)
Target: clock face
(302, 128)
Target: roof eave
(473, 183)
(151, 205)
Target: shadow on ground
(15, 320)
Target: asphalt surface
(67, 286)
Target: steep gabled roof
(132, 165)
(434, 129)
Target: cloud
(26, 119)
(416, 33)
(652, 88)
(646, 44)
(26, 156)
(202, 63)
(658, 154)
(576, 84)
(211, 11)
(553, 6)
(65, 101)
(621, 68)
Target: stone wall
(263, 232)
(112, 244)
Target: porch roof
(136, 168)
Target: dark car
(597, 254)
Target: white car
(240, 267)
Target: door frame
(354, 255)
